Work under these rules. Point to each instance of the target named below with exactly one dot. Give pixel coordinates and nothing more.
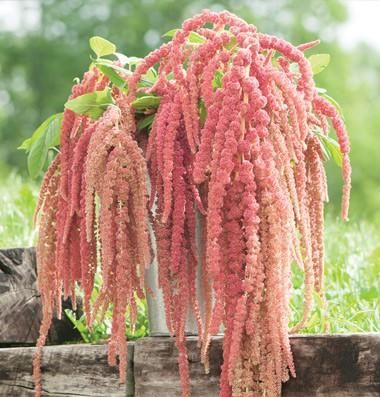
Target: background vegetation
(38, 64)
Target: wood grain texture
(67, 370)
(20, 303)
(156, 368)
(335, 366)
(327, 366)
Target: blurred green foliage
(352, 269)
(17, 203)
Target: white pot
(156, 308)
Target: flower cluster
(237, 187)
(92, 209)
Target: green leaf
(147, 80)
(25, 145)
(170, 33)
(146, 102)
(217, 81)
(114, 77)
(194, 37)
(101, 46)
(325, 151)
(37, 158)
(150, 75)
(202, 112)
(145, 83)
(48, 138)
(146, 122)
(332, 148)
(111, 64)
(319, 62)
(92, 104)
(53, 121)
(231, 44)
(79, 325)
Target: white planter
(156, 309)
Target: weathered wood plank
(67, 370)
(327, 366)
(336, 366)
(156, 368)
(20, 303)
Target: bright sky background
(363, 25)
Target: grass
(352, 263)
(352, 269)
(17, 202)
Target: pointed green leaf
(145, 83)
(36, 158)
(194, 37)
(39, 149)
(51, 123)
(217, 81)
(146, 102)
(114, 77)
(101, 46)
(332, 148)
(150, 75)
(25, 145)
(146, 122)
(231, 44)
(319, 62)
(112, 65)
(92, 104)
(170, 33)
(325, 151)
(202, 112)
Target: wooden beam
(67, 370)
(327, 366)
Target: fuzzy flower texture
(235, 151)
